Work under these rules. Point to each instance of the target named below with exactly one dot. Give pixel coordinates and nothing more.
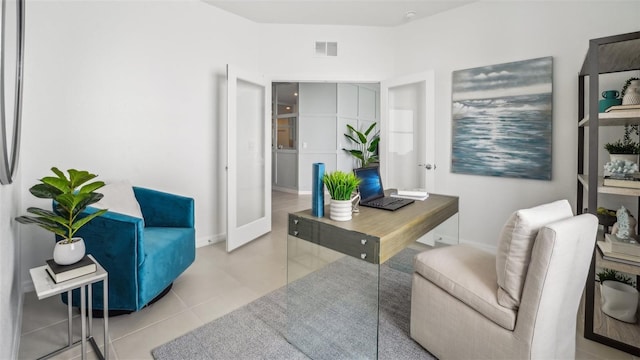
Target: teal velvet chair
(142, 256)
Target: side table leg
(83, 314)
(105, 318)
(70, 317)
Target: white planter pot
(620, 301)
(340, 210)
(629, 157)
(67, 254)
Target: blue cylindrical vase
(317, 190)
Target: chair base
(99, 313)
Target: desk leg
(105, 319)
(90, 308)
(70, 317)
(83, 323)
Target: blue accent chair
(142, 256)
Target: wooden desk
(374, 235)
(349, 298)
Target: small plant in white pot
(71, 197)
(341, 187)
(625, 149)
(619, 299)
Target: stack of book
(61, 273)
(631, 182)
(619, 250)
(413, 194)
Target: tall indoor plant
(366, 147)
(71, 195)
(341, 187)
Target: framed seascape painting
(501, 116)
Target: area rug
(255, 331)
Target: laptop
(372, 192)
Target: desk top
(46, 287)
(395, 229)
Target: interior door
(407, 142)
(248, 157)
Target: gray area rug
(255, 331)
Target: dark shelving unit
(605, 55)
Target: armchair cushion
(469, 275)
(119, 198)
(516, 242)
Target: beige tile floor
(214, 285)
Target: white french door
(248, 157)
(407, 156)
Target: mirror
(11, 82)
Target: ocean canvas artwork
(501, 120)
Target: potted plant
(625, 149)
(618, 297)
(71, 196)
(341, 186)
(366, 147)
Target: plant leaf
(49, 215)
(57, 183)
(369, 129)
(78, 178)
(91, 187)
(374, 145)
(44, 191)
(59, 173)
(80, 223)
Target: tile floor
(214, 285)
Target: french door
(248, 157)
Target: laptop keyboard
(384, 201)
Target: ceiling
(336, 12)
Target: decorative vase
(632, 94)
(610, 99)
(620, 301)
(70, 253)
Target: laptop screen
(370, 183)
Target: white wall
(494, 32)
(138, 89)
(10, 282)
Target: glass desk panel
(333, 298)
(332, 302)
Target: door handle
(427, 166)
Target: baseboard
(209, 240)
(284, 190)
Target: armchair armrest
(161, 209)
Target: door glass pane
(406, 139)
(286, 133)
(250, 152)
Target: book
(622, 108)
(419, 198)
(628, 246)
(413, 192)
(605, 249)
(61, 273)
(633, 183)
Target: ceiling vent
(326, 48)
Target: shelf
(608, 189)
(615, 118)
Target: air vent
(326, 48)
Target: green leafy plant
(71, 198)
(366, 146)
(626, 145)
(609, 274)
(340, 184)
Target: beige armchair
(519, 304)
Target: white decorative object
(69, 253)
(622, 166)
(632, 94)
(342, 210)
(620, 301)
(625, 227)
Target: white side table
(46, 287)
